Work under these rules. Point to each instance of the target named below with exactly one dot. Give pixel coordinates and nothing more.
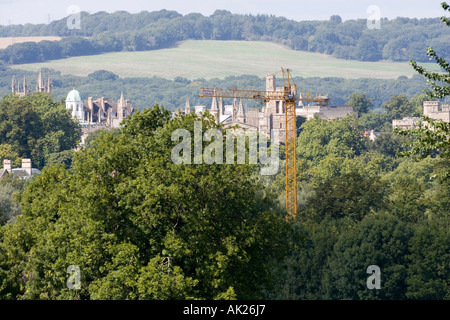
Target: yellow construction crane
(289, 96)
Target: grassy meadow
(194, 59)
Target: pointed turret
(13, 85)
(221, 106)
(235, 109)
(25, 86)
(121, 107)
(49, 85)
(241, 114)
(40, 83)
(215, 109)
(300, 103)
(187, 107)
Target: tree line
(399, 39)
(172, 94)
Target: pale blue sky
(41, 11)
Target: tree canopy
(400, 39)
(139, 226)
(35, 126)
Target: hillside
(194, 59)
(400, 39)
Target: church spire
(215, 110)
(49, 85)
(121, 107)
(187, 107)
(40, 82)
(122, 100)
(13, 84)
(221, 106)
(235, 109)
(241, 114)
(25, 86)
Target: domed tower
(75, 104)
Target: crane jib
(287, 94)
(208, 92)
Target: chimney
(7, 165)
(26, 165)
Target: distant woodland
(172, 94)
(400, 39)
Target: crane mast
(289, 96)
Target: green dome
(73, 95)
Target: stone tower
(235, 109)
(187, 107)
(221, 106)
(121, 108)
(240, 113)
(13, 85)
(215, 110)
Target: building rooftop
(74, 95)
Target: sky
(44, 11)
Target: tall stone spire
(300, 103)
(235, 109)
(49, 85)
(122, 100)
(221, 106)
(187, 107)
(241, 114)
(13, 84)
(121, 107)
(40, 83)
(215, 110)
(25, 86)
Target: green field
(208, 59)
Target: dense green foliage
(360, 206)
(35, 127)
(433, 135)
(141, 227)
(370, 208)
(399, 39)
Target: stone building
(271, 116)
(435, 110)
(25, 172)
(406, 122)
(102, 113)
(432, 109)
